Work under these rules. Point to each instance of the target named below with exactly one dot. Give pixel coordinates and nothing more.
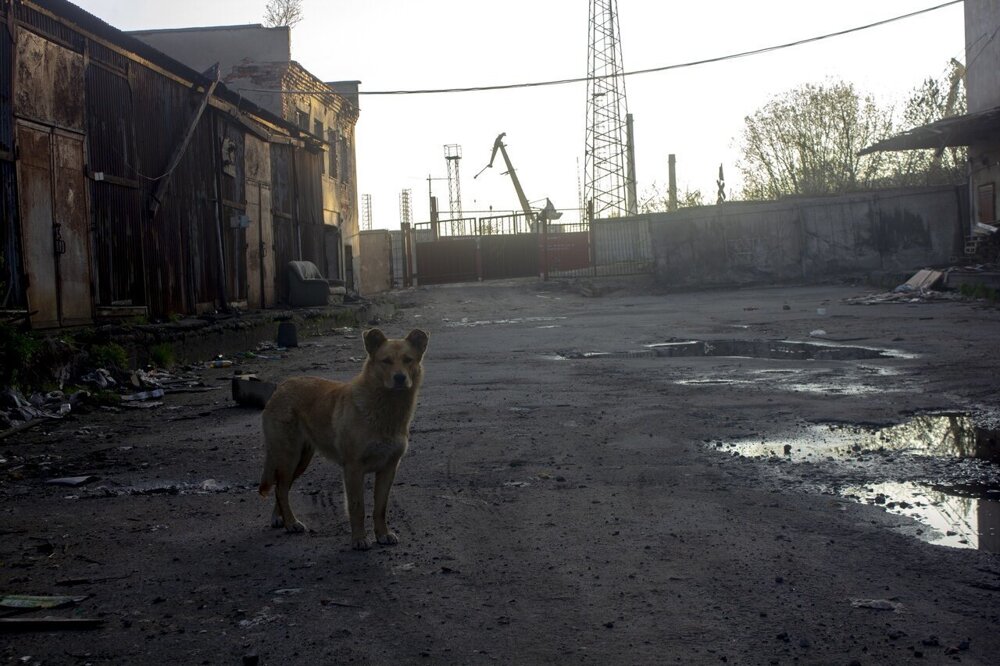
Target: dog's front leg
(354, 491)
(383, 482)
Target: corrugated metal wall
(191, 255)
(115, 189)
(181, 242)
(12, 289)
(309, 205)
(286, 236)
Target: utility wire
(664, 68)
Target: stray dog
(363, 425)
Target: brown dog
(363, 425)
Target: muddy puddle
(943, 470)
(762, 349)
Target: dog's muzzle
(399, 381)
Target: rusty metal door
(260, 233)
(55, 233)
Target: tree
(656, 200)
(806, 142)
(279, 13)
(932, 100)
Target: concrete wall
(982, 54)
(376, 269)
(808, 239)
(982, 58)
(200, 48)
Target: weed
(110, 356)
(162, 355)
(979, 291)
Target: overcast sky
(696, 113)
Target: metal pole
(631, 205)
(672, 176)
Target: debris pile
(947, 284)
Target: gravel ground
(571, 495)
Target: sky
(696, 113)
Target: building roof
(965, 130)
(87, 22)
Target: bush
(17, 352)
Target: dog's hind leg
(383, 482)
(282, 507)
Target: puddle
(766, 349)
(470, 323)
(951, 515)
(962, 512)
(942, 435)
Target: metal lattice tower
(366, 212)
(406, 207)
(605, 179)
(453, 155)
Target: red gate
(496, 248)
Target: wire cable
(650, 70)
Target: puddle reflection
(964, 516)
(946, 435)
(953, 519)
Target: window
(344, 153)
(302, 119)
(318, 131)
(986, 204)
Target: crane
(548, 213)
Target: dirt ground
(553, 507)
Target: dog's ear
(374, 339)
(418, 339)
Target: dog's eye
(387, 361)
(407, 360)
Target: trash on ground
(143, 395)
(31, 601)
(220, 362)
(249, 391)
(72, 481)
(877, 604)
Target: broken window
(302, 119)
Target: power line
(650, 70)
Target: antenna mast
(406, 207)
(453, 155)
(605, 159)
(366, 212)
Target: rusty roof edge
(137, 50)
(937, 134)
